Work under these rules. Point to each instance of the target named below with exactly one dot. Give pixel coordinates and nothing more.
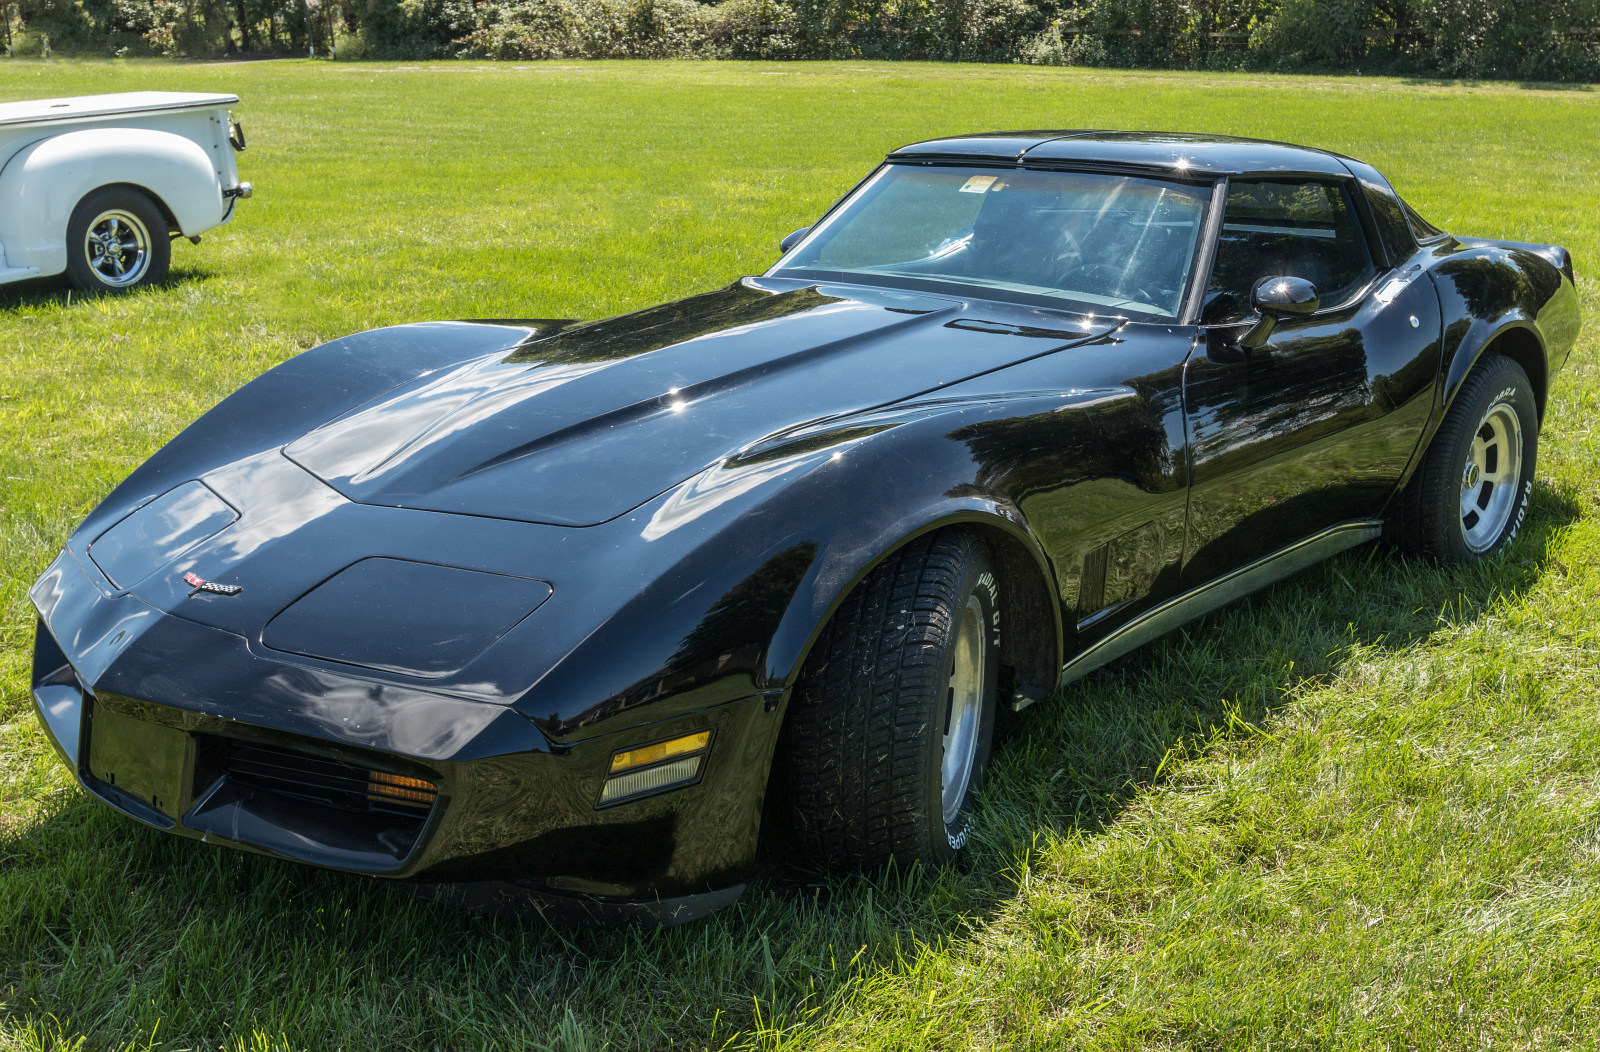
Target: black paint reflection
(1101, 481)
(731, 638)
(1315, 427)
(669, 324)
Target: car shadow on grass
(116, 925)
(29, 296)
(1070, 766)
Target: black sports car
(545, 608)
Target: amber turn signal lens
(381, 785)
(645, 755)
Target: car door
(1316, 425)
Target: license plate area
(137, 764)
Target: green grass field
(1359, 810)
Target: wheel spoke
(117, 248)
(1489, 477)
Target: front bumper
(185, 728)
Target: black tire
(870, 715)
(122, 216)
(1452, 510)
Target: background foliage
(1543, 40)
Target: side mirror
(1274, 299)
(793, 239)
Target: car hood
(584, 425)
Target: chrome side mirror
(793, 239)
(1274, 299)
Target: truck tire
(1470, 494)
(117, 240)
(891, 721)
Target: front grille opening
(332, 783)
(329, 812)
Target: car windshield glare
(1083, 241)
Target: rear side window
(1424, 230)
(1387, 214)
(1274, 228)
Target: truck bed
(88, 106)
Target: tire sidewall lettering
(1511, 390)
(990, 587)
(1522, 512)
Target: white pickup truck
(98, 187)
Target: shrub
(752, 29)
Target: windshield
(1088, 242)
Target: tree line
(1543, 40)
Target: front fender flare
(44, 182)
(842, 568)
(719, 588)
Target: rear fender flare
(43, 183)
(1516, 334)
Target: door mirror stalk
(793, 239)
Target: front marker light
(645, 755)
(651, 768)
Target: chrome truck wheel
(117, 240)
(117, 248)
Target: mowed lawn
(1359, 810)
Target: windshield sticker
(978, 184)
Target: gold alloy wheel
(1490, 476)
(964, 709)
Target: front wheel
(117, 240)
(1470, 494)
(891, 721)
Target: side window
(1295, 229)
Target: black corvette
(542, 610)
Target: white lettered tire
(1469, 498)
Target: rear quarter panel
(1508, 292)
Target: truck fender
(43, 183)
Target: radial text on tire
(891, 721)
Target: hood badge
(200, 584)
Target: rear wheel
(892, 719)
(1470, 495)
(116, 240)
